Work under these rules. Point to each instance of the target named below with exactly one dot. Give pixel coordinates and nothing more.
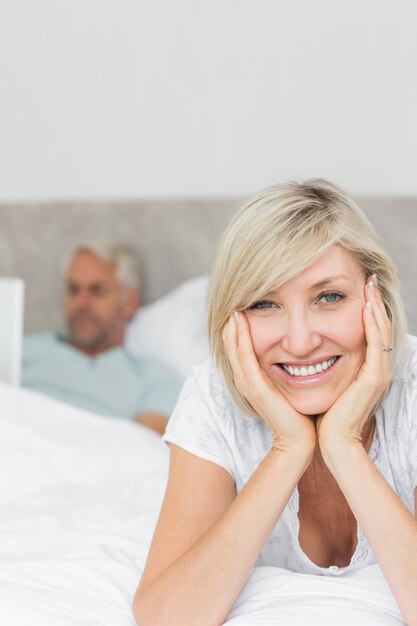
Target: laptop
(11, 329)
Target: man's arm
(154, 421)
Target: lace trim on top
(362, 547)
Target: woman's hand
(289, 428)
(344, 421)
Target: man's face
(97, 307)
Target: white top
(207, 423)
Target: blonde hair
(274, 237)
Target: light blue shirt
(112, 383)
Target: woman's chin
(311, 407)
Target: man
(88, 366)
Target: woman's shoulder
(207, 422)
(206, 399)
(411, 346)
(400, 402)
(205, 382)
(406, 368)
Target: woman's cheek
(346, 329)
(264, 332)
(354, 322)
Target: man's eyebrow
(93, 285)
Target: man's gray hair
(129, 265)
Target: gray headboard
(175, 237)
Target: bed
(79, 498)
(79, 493)
(175, 237)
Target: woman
(299, 447)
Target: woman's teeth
(309, 370)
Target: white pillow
(173, 329)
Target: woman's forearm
(388, 525)
(202, 585)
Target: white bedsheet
(276, 597)
(79, 497)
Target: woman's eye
(330, 298)
(262, 305)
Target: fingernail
(375, 279)
(371, 284)
(369, 306)
(236, 316)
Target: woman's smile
(309, 372)
(310, 342)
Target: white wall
(128, 98)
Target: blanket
(79, 498)
(276, 597)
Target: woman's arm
(207, 540)
(389, 527)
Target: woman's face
(308, 334)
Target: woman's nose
(302, 335)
